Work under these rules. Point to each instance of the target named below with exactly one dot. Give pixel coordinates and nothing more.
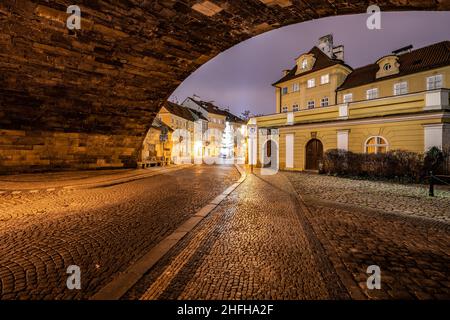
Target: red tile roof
(211, 108)
(427, 58)
(322, 61)
(179, 111)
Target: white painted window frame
(345, 98)
(435, 82)
(325, 79)
(377, 145)
(400, 88)
(372, 94)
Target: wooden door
(314, 154)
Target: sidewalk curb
(115, 289)
(107, 183)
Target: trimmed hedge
(397, 164)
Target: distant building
(218, 119)
(157, 145)
(399, 102)
(188, 126)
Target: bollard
(431, 192)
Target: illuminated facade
(399, 102)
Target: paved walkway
(103, 230)
(405, 199)
(265, 242)
(76, 179)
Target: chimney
(338, 52)
(403, 50)
(326, 45)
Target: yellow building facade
(400, 102)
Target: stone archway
(87, 97)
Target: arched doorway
(270, 154)
(314, 154)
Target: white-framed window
(304, 64)
(325, 79)
(376, 144)
(434, 82)
(311, 83)
(372, 93)
(284, 109)
(295, 108)
(284, 91)
(387, 67)
(348, 98)
(324, 102)
(311, 104)
(400, 88)
(296, 87)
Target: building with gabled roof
(401, 101)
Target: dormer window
(388, 66)
(305, 63)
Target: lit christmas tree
(227, 143)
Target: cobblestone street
(287, 236)
(270, 240)
(102, 230)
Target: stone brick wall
(86, 98)
(29, 151)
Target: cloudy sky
(240, 78)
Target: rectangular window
(325, 79)
(311, 83)
(372, 94)
(284, 91)
(348, 97)
(295, 108)
(400, 88)
(324, 102)
(311, 104)
(434, 82)
(296, 87)
(284, 109)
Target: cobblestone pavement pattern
(102, 230)
(411, 200)
(265, 242)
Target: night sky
(241, 77)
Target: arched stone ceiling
(85, 98)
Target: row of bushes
(397, 164)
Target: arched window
(376, 145)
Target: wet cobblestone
(268, 241)
(101, 230)
(411, 200)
